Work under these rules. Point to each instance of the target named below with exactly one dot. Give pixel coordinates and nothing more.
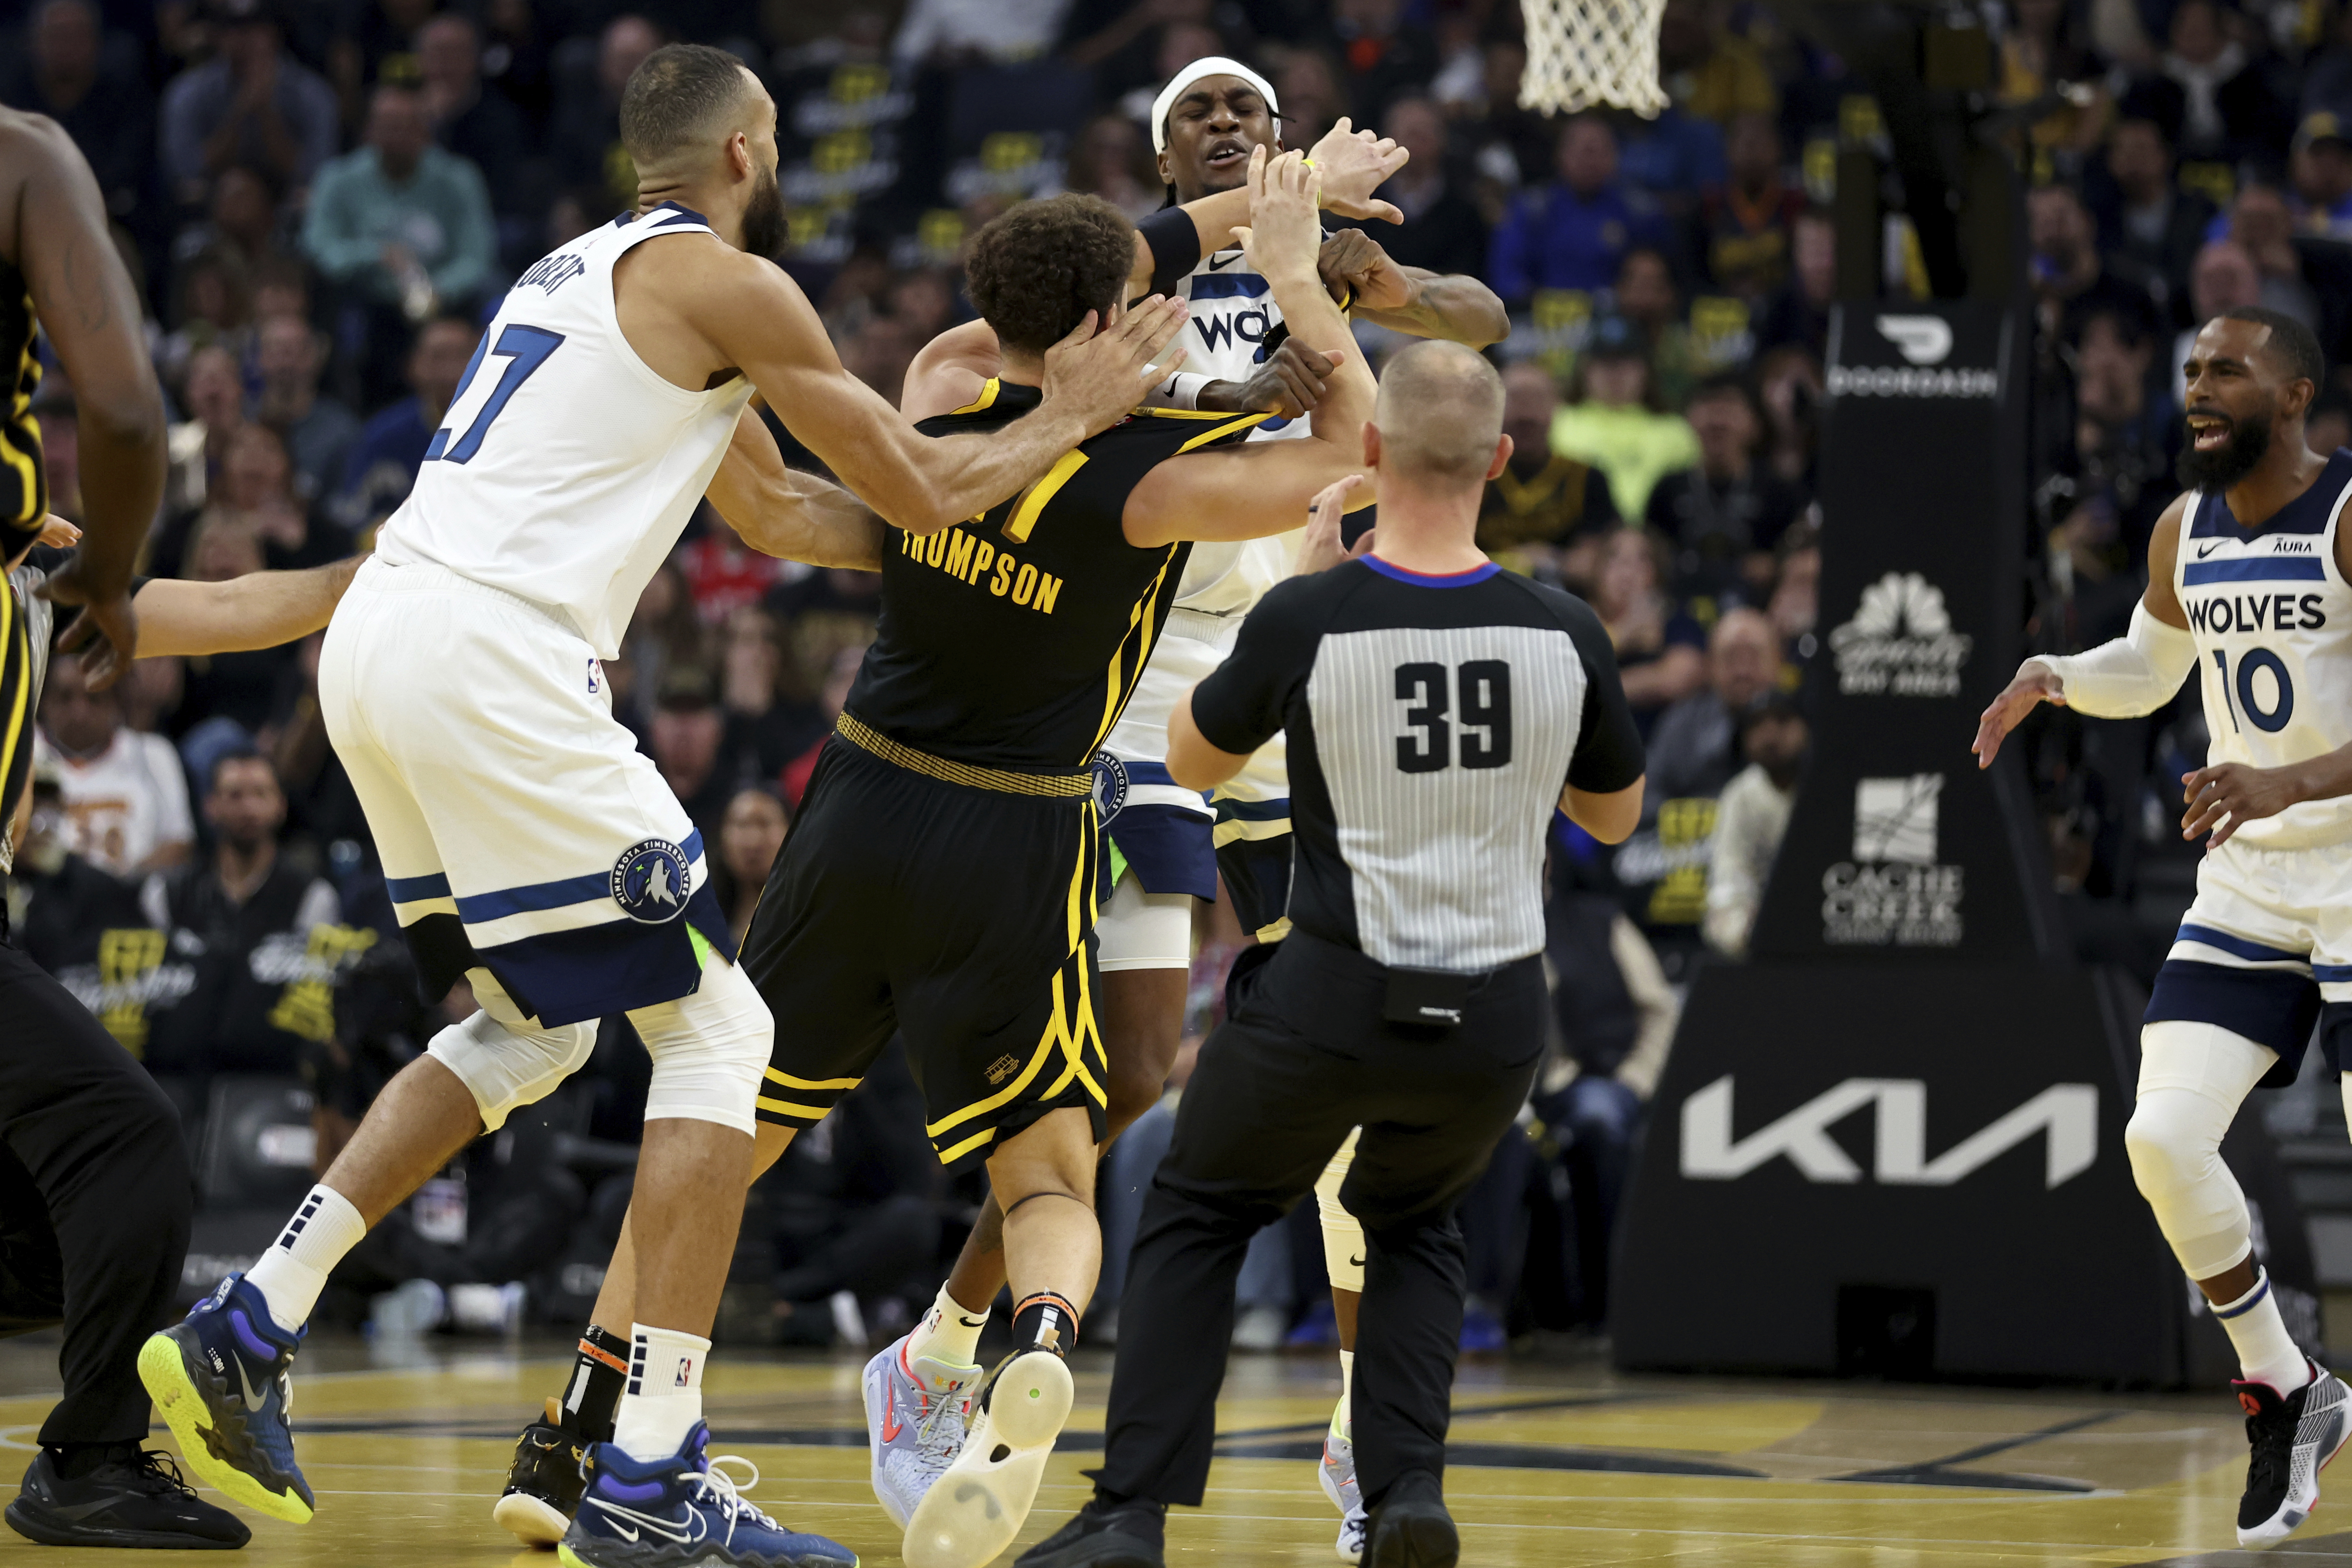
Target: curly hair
(1037, 270)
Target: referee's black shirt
(1432, 723)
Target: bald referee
(1437, 710)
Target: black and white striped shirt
(1432, 722)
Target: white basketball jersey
(567, 468)
(2273, 619)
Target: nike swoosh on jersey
(2204, 550)
(1220, 262)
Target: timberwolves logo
(650, 881)
(1110, 786)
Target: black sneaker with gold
(544, 1485)
(119, 1495)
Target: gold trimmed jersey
(24, 484)
(1013, 638)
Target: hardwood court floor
(1553, 1463)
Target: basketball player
(528, 846)
(1438, 709)
(2247, 585)
(1166, 843)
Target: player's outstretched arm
(259, 610)
(759, 321)
(789, 515)
(1410, 299)
(56, 230)
(2134, 673)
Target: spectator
(1120, 42)
(2071, 278)
(65, 913)
(1745, 228)
(227, 699)
(265, 937)
(1796, 603)
(1789, 378)
(586, 139)
(124, 799)
(384, 462)
(750, 836)
(483, 128)
(1443, 232)
(375, 43)
(1542, 503)
(723, 573)
(2226, 109)
(1573, 233)
(1751, 819)
(2322, 165)
(684, 740)
(1695, 749)
(1312, 98)
(1798, 315)
(89, 84)
(832, 697)
(1711, 72)
(2144, 219)
(251, 103)
(951, 33)
(1616, 423)
(318, 430)
(766, 728)
(1658, 646)
(2223, 277)
(663, 633)
(2123, 448)
(2041, 56)
(878, 354)
(822, 614)
(2260, 221)
(924, 299)
(241, 223)
(214, 399)
(2328, 425)
(257, 482)
(400, 226)
(1511, 145)
(1723, 516)
(212, 307)
(1646, 297)
(1111, 159)
(1385, 53)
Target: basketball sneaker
(2293, 1436)
(1410, 1529)
(980, 1502)
(543, 1484)
(131, 1497)
(682, 1509)
(1338, 1474)
(220, 1379)
(915, 1413)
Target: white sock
(2264, 1351)
(664, 1399)
(1343, 1418)
(949, 1331)
(293, 1269)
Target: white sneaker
(1338, 1474)
(980, 1502)
(2291, 1436)
(914, 1413)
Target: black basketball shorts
(961, 916)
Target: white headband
(1214, 66)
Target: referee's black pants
(1306, 1057)
(95, 1200)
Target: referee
(1437, 711)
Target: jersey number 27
(524, 349)
(1479, 726)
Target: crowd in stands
(321, 201)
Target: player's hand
(1321, 550)
(2224, 798)
(1290, 384)
(1352, 260)
(2034, 684)
(106, 625)
(1355, 164)
(1101, 376)
(1284, 232)
(58, 534)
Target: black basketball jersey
(1432, 722)
(1012, 640)
(24, 483)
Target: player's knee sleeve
(2174, 1140)
(710, 1049)
(1343, 1235)
(505, 1060)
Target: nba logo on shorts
(650, 881)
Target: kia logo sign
(1921, 339)
(2067, 1113)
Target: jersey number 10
(1480, 711)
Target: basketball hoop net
(1581, 53)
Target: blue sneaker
(682, 1510)
(219, 1379)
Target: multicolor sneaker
(2293, 1436)
(680, 1509)
(1338, 1474)
(543, 1484)
(981, 1501)
(915, 1415)
(220, 1380)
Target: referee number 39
(1460, 715)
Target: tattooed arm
(53, 229)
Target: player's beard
(2215, 471)
(764, 227)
